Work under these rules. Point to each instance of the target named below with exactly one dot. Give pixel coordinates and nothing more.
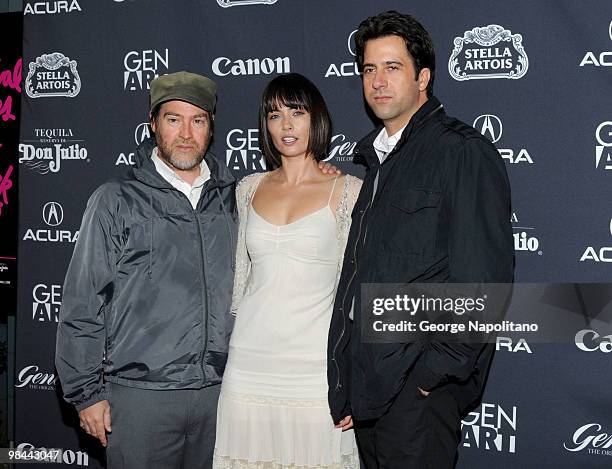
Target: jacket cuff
(345, 412)
(91, 401)
(425, 378)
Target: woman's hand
(345, 423)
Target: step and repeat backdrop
(534, 77)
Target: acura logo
(610, 30)
(142, 132)
(351, 43)
(53, 214)
(490, 126)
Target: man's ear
(424, 77)
(152, 122)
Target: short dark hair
(418, 41)
(295, 91)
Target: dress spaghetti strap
(332, 191)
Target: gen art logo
(142, 66)
(590, 439)
(46, 303)
(52, 75)
(31, 377)
(341, 148)
(488, 52)
(491, 427)
(243, 153)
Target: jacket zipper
(346, 292)
(355, 259)
(204, 294)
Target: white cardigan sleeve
(244, 193)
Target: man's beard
(176, 161)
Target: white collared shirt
(192, 192)
(383, 144)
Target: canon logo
(65, 456)
(588, 340)
(223, 66)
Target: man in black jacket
(434, 207)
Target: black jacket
(441, 214)
(147, 295)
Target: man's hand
(96, 420)
(328, 168)
(424, 393)
(345, 423)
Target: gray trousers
(171, 429)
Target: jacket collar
(364, 151)
(144, 169)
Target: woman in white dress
(294, 221)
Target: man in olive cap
(144, 325)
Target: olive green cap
(184, 86)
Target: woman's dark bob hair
(295, 91)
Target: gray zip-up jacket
(147, 294)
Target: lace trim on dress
(349, 461)
(274, 401)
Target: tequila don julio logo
(488, 52)
(53, 75)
